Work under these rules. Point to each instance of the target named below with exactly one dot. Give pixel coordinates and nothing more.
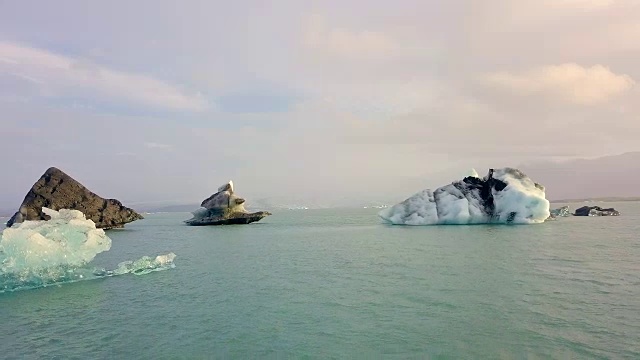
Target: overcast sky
(165, 100)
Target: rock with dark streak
(57, 190)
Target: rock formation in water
(224, 208)
(595, 211)
(504, 196)
(57, 190)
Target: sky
(163, 101)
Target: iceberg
(45, 252)
(596, 211)
(561, 212)
(67, 239)
(224, 208)
(504, 196)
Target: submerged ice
(504, 196)
(144, 265)
(40, 253)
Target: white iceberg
(40, 253)
(67, 239)
(504, 196)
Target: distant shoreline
(602, 199)
(189, 208)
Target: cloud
(60, 76)
(621, 37)
(154, 145)
(464, 128)
(347, 43)
(358, 95)
(555, 31)
(570, 82)
(525, 13)
(371, 71)
(588, 5)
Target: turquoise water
(339, 283)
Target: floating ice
(224, 208)
(561, 212)
(145, 265)
(504, 196)
(39, 253)
(67, 239)
(596, 211)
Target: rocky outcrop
(224, 208)
(57, 190)
(596, 211)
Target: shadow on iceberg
(504, 196)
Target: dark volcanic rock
(596, 211)
(217, 217)
(57, 190)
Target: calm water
(338, 283)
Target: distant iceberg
(224, 208)
(561, 212)
(504, 196)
